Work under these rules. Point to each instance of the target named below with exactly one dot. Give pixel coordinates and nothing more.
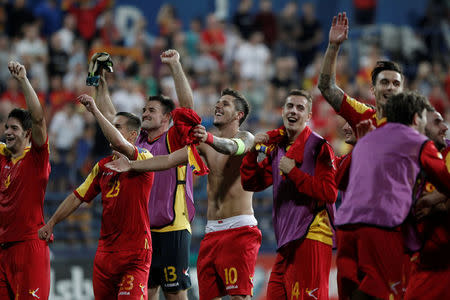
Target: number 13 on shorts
(170, 274)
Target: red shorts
(121, 274)
(226, 262)
(301, 271)
(25, 270)
(428, 284)
(371, 260)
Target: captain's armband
(241, 146)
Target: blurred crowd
(260, 52)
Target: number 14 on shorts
(297, 292)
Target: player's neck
(293, 134)
(155, 133)
(228, 130)
(20, 151)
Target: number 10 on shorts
(230, 275)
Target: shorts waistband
(7, 245)
(229, 223)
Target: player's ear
(28, 134)
(239, 115)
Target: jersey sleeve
(437, 170)
(3, 150)
(143, 154)
(90, 187)
(255, 176)
(354, 111)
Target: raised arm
(103, 99)
(327, 79)
(66, 208)
(156, 163)
(182, 86)
(240, 144)
(38, 128)
(111, 133)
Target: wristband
(241, 146)
(209, 139)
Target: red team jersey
(354, 112)
(22, 189)
(125, 222)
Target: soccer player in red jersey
(125, 232)
(171, 205)
(25, 168)
(387, 80)
(430, 275)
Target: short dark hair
(303, 93)
(23, 116)
(167, 103)
(402, 107)
(133, 121)
(385, 65)
(240, 103)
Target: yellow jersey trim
(359, 107)
(447, 161)
(84, 187)
(5, 152)
(181, 216)
(320, 229)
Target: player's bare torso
(226, 197)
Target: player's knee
(153, 293)
(177, 295)
(240, 297)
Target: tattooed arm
(327, 79)
(240, 144)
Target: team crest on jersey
(8, 181)
(34, 293)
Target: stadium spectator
(243, 19)
(309, 37)
(265, 21)
(253, 58)
(86, 13)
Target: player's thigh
(308, 273)
(133, 283)
(170, 263)
(236, 265)
(209, 283)
(104, 284)
(28, 273)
